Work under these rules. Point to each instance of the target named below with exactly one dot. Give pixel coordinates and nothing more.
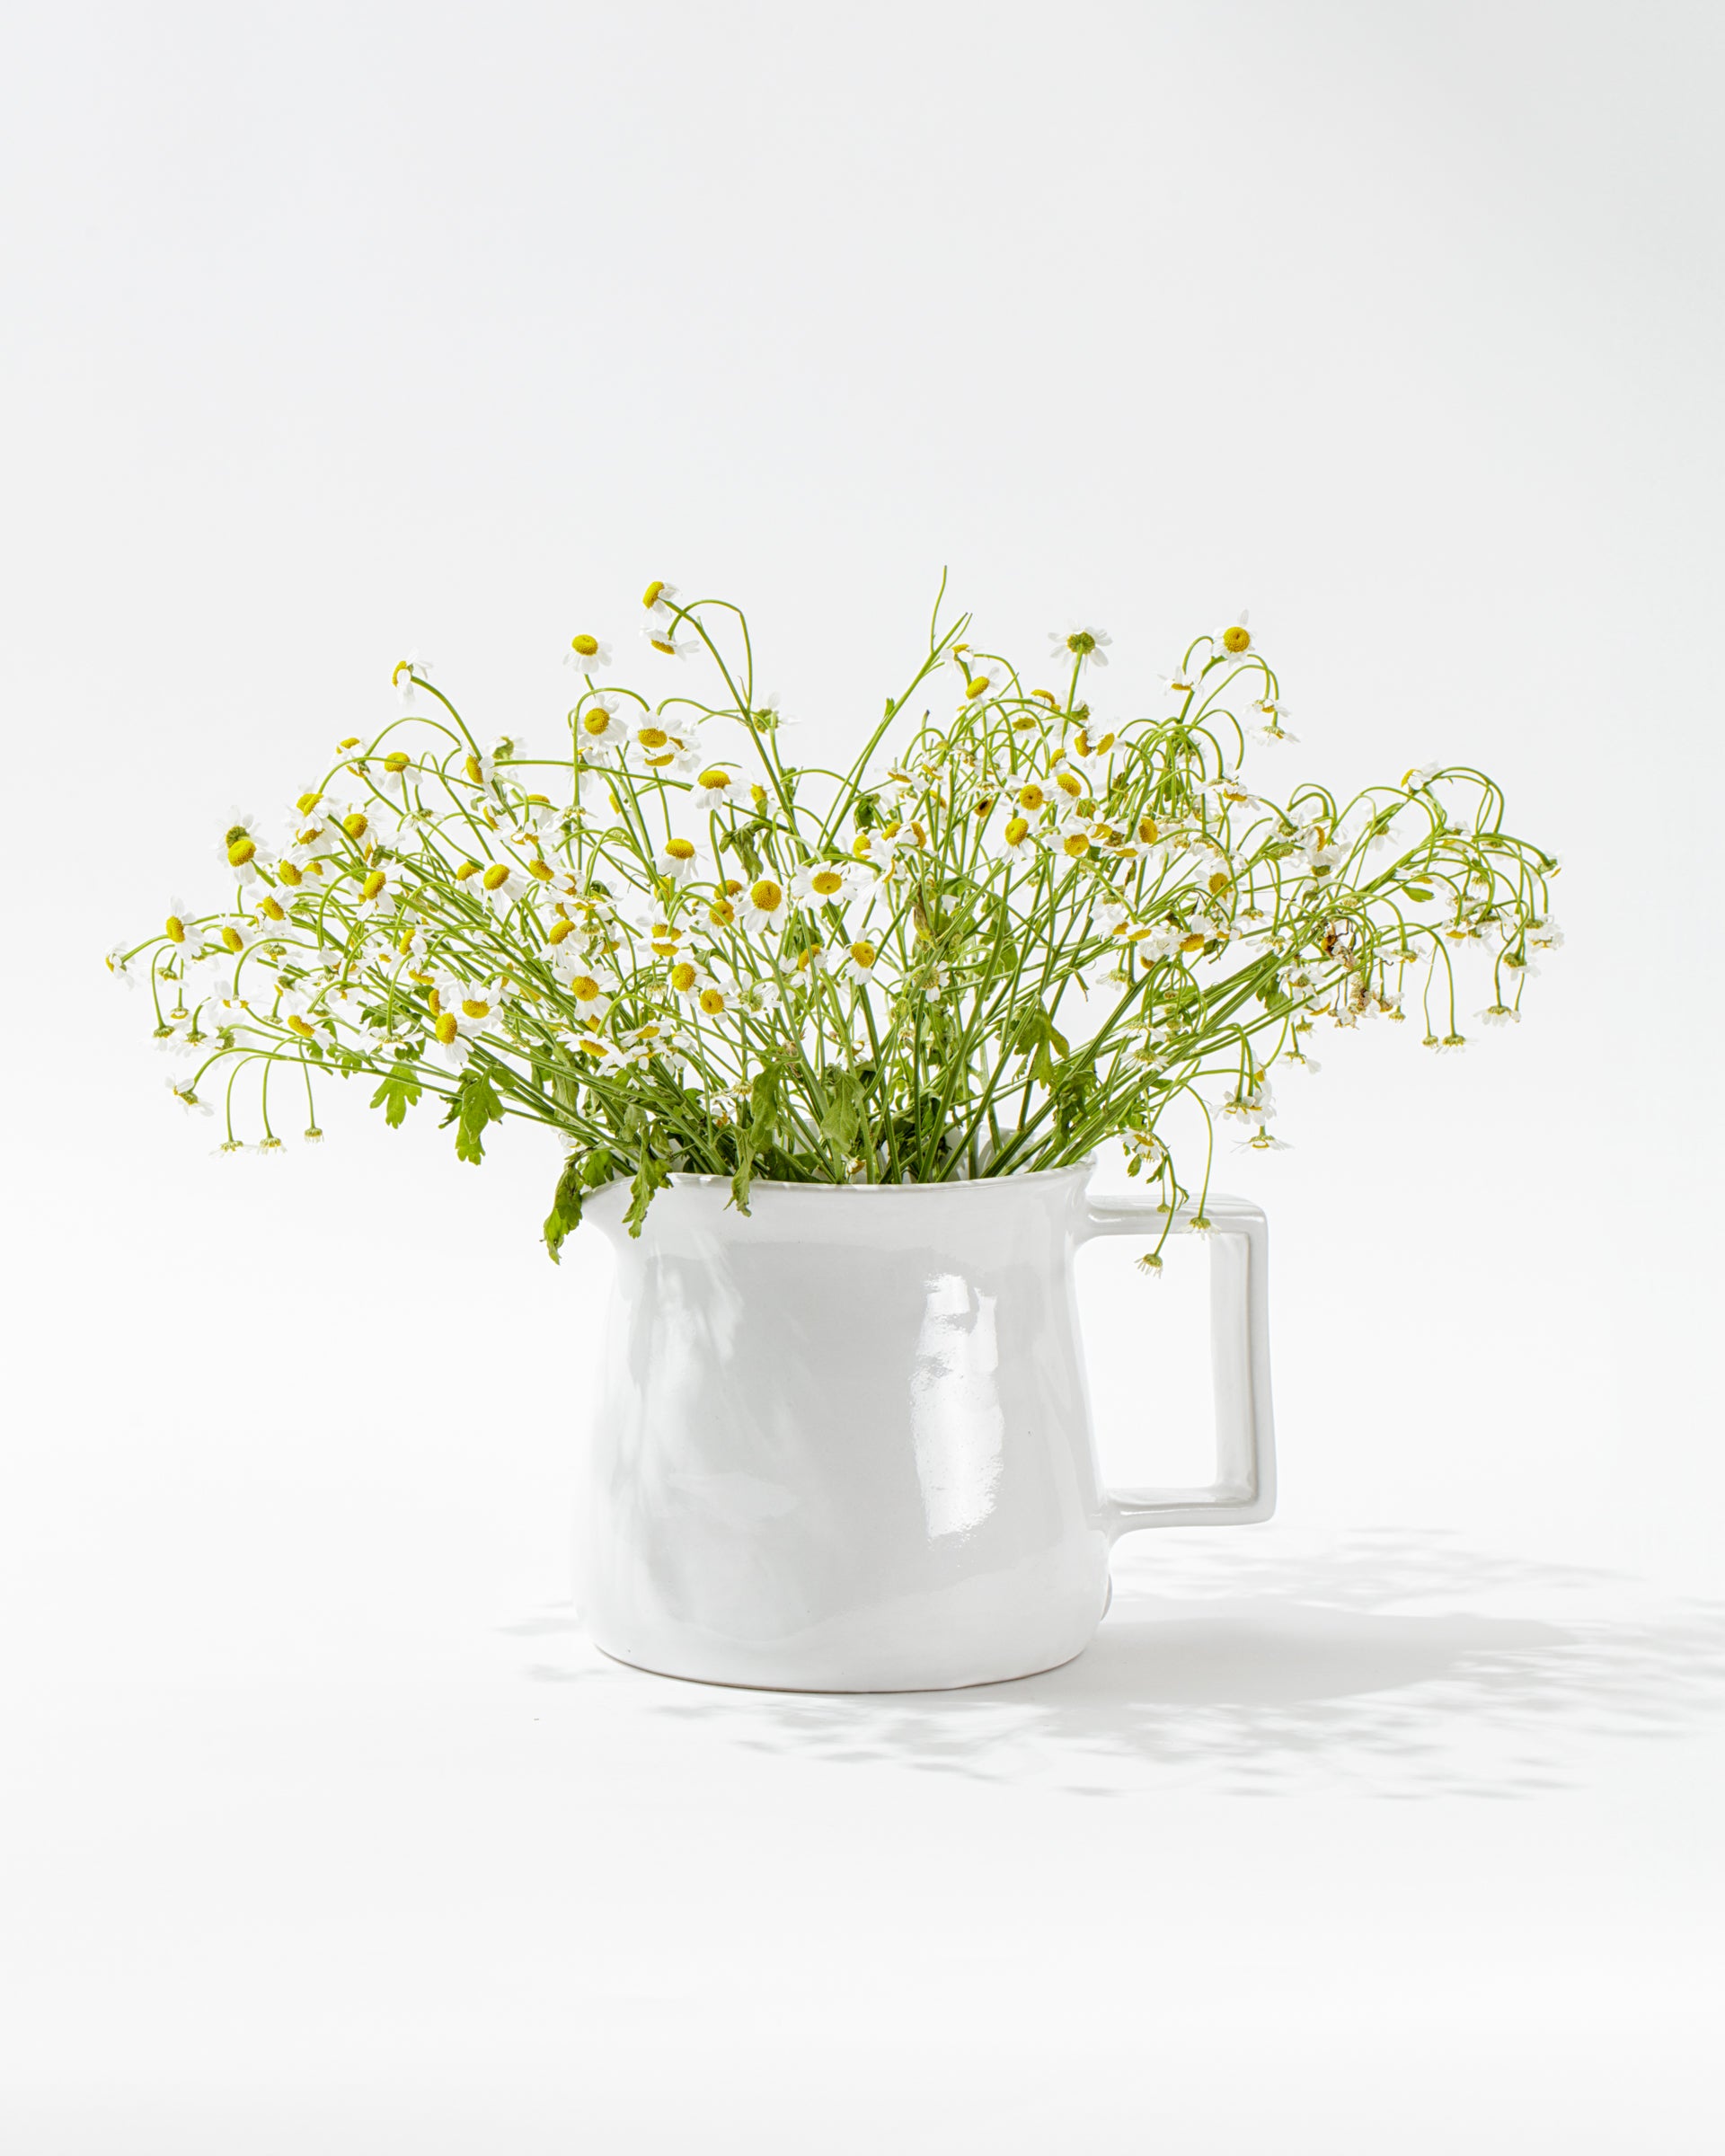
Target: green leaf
(1415, 890)
(565, 1214)
(844, 1114)
(398, 1092)
(650, 1175)
(473, 1106)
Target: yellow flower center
(307, 802)
(538, 868)
(356, 826)
(590, 1045)
(716, 780)
(824, 882)
(176, 929)
(446, 1027)
(1030, 798)
(434, 1002)
(664, 644)
(864, 954)
(584, 647)
(649, 598)
(680, 849)
(978, 686)
(286, 872)
(653, 737)
(1147, 831)
(395, 763)
(766, 895)
(712, 1001)
(682, 978)
(473, 1006)
(1017, 827)
(1235, 639)
(1075, 844)
(1069, 784)
(305, 1032)
(234, 939)
(474, 769)
(863, 846)
(1191, 943)
(559, 929)
(721, 913)
(403, 666)
(496, 876)
(272, 908)
(584, 988)
(373, 884)
(467, 868)
(1218, 883)
(240, 851)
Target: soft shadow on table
(1273, 1674)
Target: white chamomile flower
(686, 980)
(714, 1000)
(306, 1023)
(586, 654)
(589, 988)
(820, 883)
(1235, 639)
(182, 931)
(1498, 1014)
(661, 749)
(764, 905)
(188, 1098)
(114, 959)
(875, 847)
(983, 677)
(659, 599)
(403, 678)
(1079, 644)
(603, 725)
(390, 773)
(1092, 750)
(270, 908)
(857, 962)
(1179, 684)
(766, 717)
(475, 1007)
(679, 859)
(656, 1038)
(1269, 728)
(241, 846)
(503, 884)
(1421, 776)
(1260, 1141)
(1017, 836)
(671, 638)
(716, 784)
(1231, 791)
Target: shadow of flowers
(1398, 1664)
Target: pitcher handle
(1244, 1490)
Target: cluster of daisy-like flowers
(1012, 929)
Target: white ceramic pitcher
(844, 1444)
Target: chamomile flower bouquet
(1012, 929)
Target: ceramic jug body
(844, 1443)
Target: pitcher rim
(684, 1179)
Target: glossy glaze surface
(845, 1444)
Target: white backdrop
(332, 330)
